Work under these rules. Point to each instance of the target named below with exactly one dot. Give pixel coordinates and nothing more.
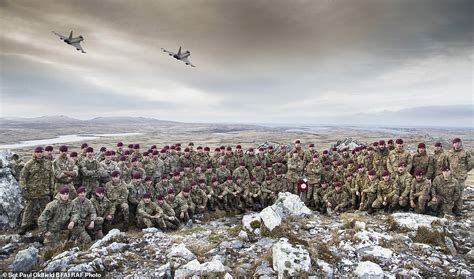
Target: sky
(258, 61)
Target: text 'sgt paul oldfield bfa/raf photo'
(236, 139)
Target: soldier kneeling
(103, 209)
(419, 192)
(56, 218)
(149, 214)
(83, 216)
(387, 194)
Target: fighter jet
(75, 42)
(180, 56)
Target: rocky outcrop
(10, 194)
(290, 260)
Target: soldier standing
(460, 163)
(423, 161)
(36, 183)
(90, 170)
(440, 159)
(397, 155)
(295, 170)
(65, 170)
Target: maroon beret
(334, 149)
(145, 153)
(103, 148)
(202, 181)
(261, 149)
(418, 172)
(214, 179)
(186, 189)
(64, 190)
(350, 162)
(84, 145)
(89, 149)
(160, 197)
(191, 144)
(108, 153)
(372, 172)
(238, 146)
(81, 189)
(127, 152)
(223, 163)
(269, 164)
(445, 168)
(39, 149)
(73, 154)
(390, 141)
(153, 146)
(269, 178)
(209, 166)
(242, 164)
(63, 148)
(297, 141)
(217, 149)
(48, 148)
(147, 178)
(193, 183)
(438, 144)
(186, 149)
(207, 148)
(171, 191)
(270, 147)
(399, 141)
(135, 159)
(238, 178)
(164, 176)
(178, 148)
(421, 145)
(155, 152)
(360, 166)
(325, 152)
(119, 144)
(100, 190)
(173, 147)
(376, 143)
(177, 144)
(123, 158)
(166, 147)
(136, 146)
(130, 146)
(147, 195)
(228, 148)
(137, 175)
(258, 164)
(385, 173)
(456, 140)
(163, 151)
(402, 164)
(115, 173)
(229, 177)
(199, 148)
(311, 145)
(222, 147)
(176, 173)
(381, 142)
(370, 148)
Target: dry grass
(430, 236)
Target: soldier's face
(381, 146)
(419, 177)
(421, 150)
(89, 155)
(401, 169)
(386, 178)
(136, 181)
(160, 202)
(446, 173)
(39, 155)
(372, 177)
(64, 197)
(399, 146)
(438, 148)
(148, 183)
(146, 200)
(338, 189)
(81, 196)
(457, 145)
(100, 195)
(62, 154)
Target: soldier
(460, 163)
(16, 165)
(185, 208)
(209, 174)
(199, 197)
(440, 159)
(36, 183)
(423, 161)
(327, 172)
(186, 159)
(445, 191)
(271, 156)
(229, 159)
(55, 218)
(149, 188)
(149, 214)
(390, 145)
(369, 158)
(148, 165)
(65, 170)
(419, 192)
(281, 182)
(119, 150)
(136, 189)
(108, 165)
(239, 154)
(216, 158)
(369, 193)
(397, 155)
(387, 194)
(261, 157)
(295, 170)
(103, 209)
(250, 160)
(242, 172)
(318, 197)
(253, 195)
(176, 183)
(136, 168)
(117, 193)
(169, 216)
(258, 173)
(338, 200)
(48, 153)
(360, 180)
(222, 193)
(125, 169)
(381, 157)
(163, 186)
(83, 216)
(101, 156)
(403, 182)
(268, 189)
(212, 193)
(349, 188)
(91, 171)
(223, 172)
(235, 194)
(136, 152)
(310, 153)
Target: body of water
(64, 139)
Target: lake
(64, 139)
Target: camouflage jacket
(102, 206)
(117, 194)
(425, 162)
(135, 193)
(403, 182)
(82, 211)
(395, 157)
(386, 189)
(55, 216)
(460, 162)
(447, 190)
(167, 209)
(259, 175)
(62, 164)
(147, 210)
(37, 179)
(440, 159)
(419, 188)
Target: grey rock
(61, 261)
(117, 247)
(10, 195)
(265, 242)
(111, 235)
(367, 269)
(290, 260)
(25, 260)
(164, 271)
(151, 230)
(213, 268)
(450, 244)
(182, 252)
(264, 269)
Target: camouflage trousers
(235, 201)
(90, 186)
(254, 202)
(79, 232)
(56, 237)
(404, 202)
(366, 200)
(420, 203)
(101, 225)
(123, 209)
(32, 210)
(149, 222)
(458, 201)
(391, 201)
(442, 206)
(187, 214)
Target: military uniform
(199, 198)
(440, 159)
(36, 183)
(444, 194)
(108, 166)
(369, 194)
(380, 160)
(403, 182)
(425, 162)
(259, 174)
(395, 157)
(387, 193)
(135, 193)
(117, 193)
(222, 174)
(184, 205)
(91, 172)
(83, 213)
(420, 194)
(61, 166)
(242, 173)
(169, 215)
(150, 215)
(295, 171)
(54, 219)
(103, 208)
(338, 200)
(253, 196)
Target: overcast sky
(257, 61)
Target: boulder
(10, 195)
(412, 221)
(112, 235)
(214, 268)
(25, 260)
(290, 260)
(182, 252)
(368, 270)
(380, 253)
(61, 261)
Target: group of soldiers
(166, 187)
